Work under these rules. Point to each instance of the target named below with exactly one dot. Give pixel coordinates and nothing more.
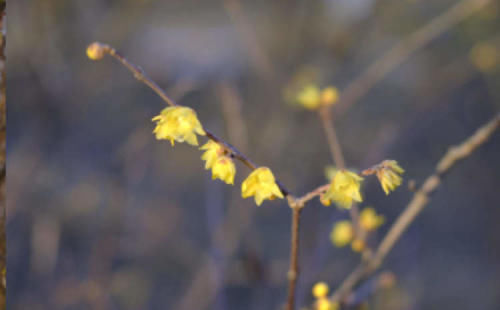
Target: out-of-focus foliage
(101, 215)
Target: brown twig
(406, 47)
(293, 271)
(416, 205)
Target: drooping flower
(216, 159)
(213, 150)
(320, 290)
(261, 184)
(389, 175)
(369, 220)
(345, 188)
(224, 169)
(178, 124)
(342, 233)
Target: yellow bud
(320, 289)
(329, 96)
(358, 245)
(96, 51)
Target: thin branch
(141, 76)
(416, 205)
(331, 137)
(405, 48)
(293, 272)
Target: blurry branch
(416, 205)
(3, 124)
(331, 137)
(257, 55)
(402, 50)
(141, 76)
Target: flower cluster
(320, 293)
(343, 232)
(343, 190)
(181, 124)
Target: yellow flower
(213, 150)
(388, 175)
(224, 169)
(309, 97)
(342, 233)
(369, 220)
(320, 289)
(261, 184)
(343, 189)
(329, 95)
(178, 124)
(222, 166)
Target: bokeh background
(102, 216)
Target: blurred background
(102, 216)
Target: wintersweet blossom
(178, 124)
(213, 150)
(216, 159)
(261, 184)
(344, 189)
(224, 169)
(369, 220)
(342, 233)
(388, 173)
